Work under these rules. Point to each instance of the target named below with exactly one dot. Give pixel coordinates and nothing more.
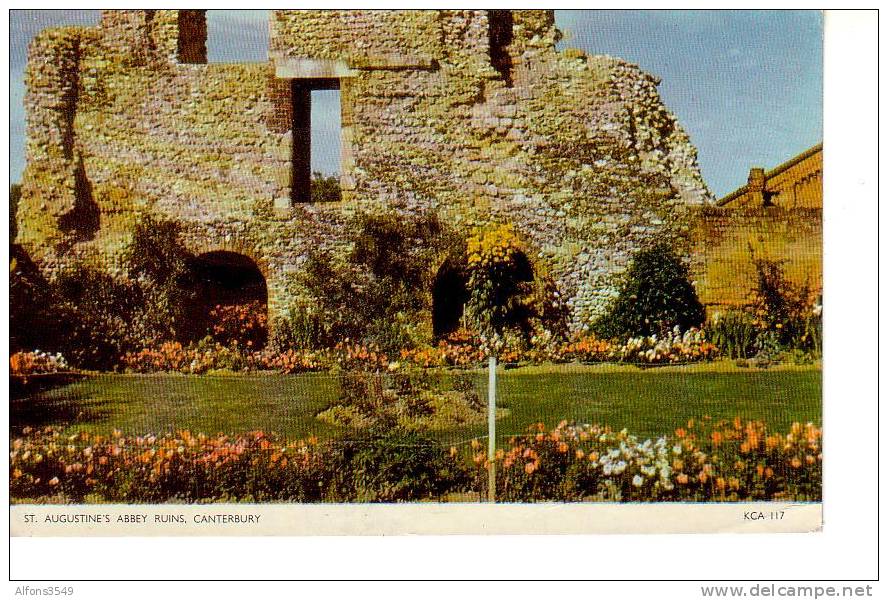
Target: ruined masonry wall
(577, 151)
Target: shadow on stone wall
(81, 223)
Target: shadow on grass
(36, 401)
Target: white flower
(638, 481)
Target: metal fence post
(491, 429)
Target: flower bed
(676, 347)
(703, 461)
(253, 467)
(37, 363)
(462, 350)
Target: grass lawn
(649, 402)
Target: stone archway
(229, 299)
(449, 297)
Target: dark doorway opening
(230, 300)
(449, 296)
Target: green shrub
(500, 283)
(395, 465)
(156, 258)
(325, 188)
(812, 335)
(767, 348)
(379, 293)
(97, 312)
(734, 333)
(655, 296)
(300, 329)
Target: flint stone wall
(578, 152)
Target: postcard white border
(844, 550)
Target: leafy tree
(780, 306)
(376, 295)
(32, 322)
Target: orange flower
(716, 438)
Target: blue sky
(746, 85)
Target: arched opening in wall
(515, 287)
(449, 296)
(229, 300)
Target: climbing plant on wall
(499, 281)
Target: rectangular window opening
(317, 140)
(499, 23)
(236, 36)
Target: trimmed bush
(655, 296)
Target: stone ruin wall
(577, 151)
